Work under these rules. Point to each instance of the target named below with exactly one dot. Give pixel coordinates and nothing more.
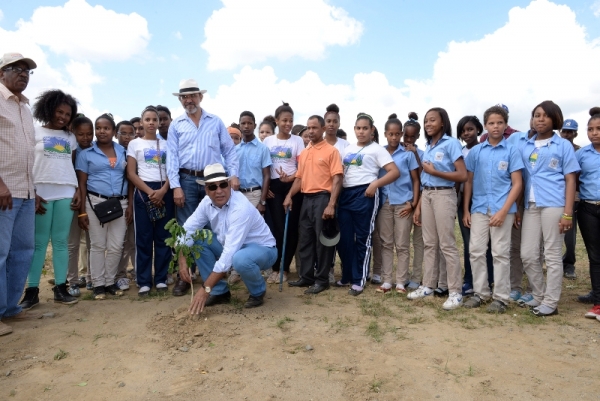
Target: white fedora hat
(188, 87)
(213, 173)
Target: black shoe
(440, 292)
(300, 283)
(30, 299)
(78, 282)
(317, 288)
(586, 299)
(113, 290)
(218, 299)
(253, 302)
(181, 288)
(569, 273)
(354, 292)
(100, 292)
(62, 296)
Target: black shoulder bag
(110, 209)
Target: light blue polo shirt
(589, 179)
(102, 178)
(443, 155)
(491, 167)
(401, 190)
(253, 157)
(547, 176)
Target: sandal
(383, 290)
(400, 289)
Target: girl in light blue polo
(495, 181)
(550, 169)
(443, 167)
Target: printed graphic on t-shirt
(353, 159)
(56, 148)
(533, 158)
(281, 152)
(152, 157)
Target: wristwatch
(263, 202)
(207, 289)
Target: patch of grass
(71, 333)
(374, 331)
(88, 296)
(236, 302)
(375, 385)
(60, 355)
(281, 322)
(340, 324)
(416, 319)
(471, 371)
(374, 308)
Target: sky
(378, 57)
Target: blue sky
(393, 56)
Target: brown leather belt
(191, 172)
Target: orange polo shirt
(316, 167)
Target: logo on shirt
(151, 156)
(503, 166)
(281, 152)
(553, 163)
(353, 159)
(439, 156)
(56, 145)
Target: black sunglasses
(213, 187)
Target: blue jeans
(248, 262)
(194, 193)
(17, 239)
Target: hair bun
(594, 111)
(333, 108)
(285, 104)
(269, 119)
(412, 115)
(393, 116)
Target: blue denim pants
(194, 193)
(248, 262)
(17, 240)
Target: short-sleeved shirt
(316, 167)
(492, 167)
(340, 145)
(284, 153)
(518, 139)
(442, 155)
(547, 175)
(362, 163)
(253, 156)
(151, 158)
(102, 178)
(401, 190)
(589, 179)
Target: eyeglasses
(126, 135)
(192, 96)
(213, 187)
(19, 70)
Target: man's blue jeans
(194, 193)
(17, 240)
(248, 262)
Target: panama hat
(330, 233)
(188, 87)
(213, 173)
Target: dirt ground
(331, 346)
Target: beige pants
(79, 245)
(438, 214)
(376, 241)
(394, 232)
(253, 197)
(417, 241)
(128, 255)
(481, 232)
(543, 222)
(106, 245)
(443, 272)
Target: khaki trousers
(481, 232)
(394, 232)
(253, 197)
(128, 255)
(543, 222)
(79, 245)
(417, 241)
(438, 214)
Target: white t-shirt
(146, 153)
(53, 172)
(340, 145)
(362, 164)
(284, 153)
(533, 160)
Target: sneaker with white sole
(420, 292)
(524, 299)
(123, 284)
(454, 301)
(593, 313)
(144, 290)
(412, 285)
(74, 291)
(234, 277)
(514, 296)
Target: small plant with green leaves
(60, 355)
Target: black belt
(315, 194)
(106, 197)
(437, 188)
(249, 189)
(192, 172)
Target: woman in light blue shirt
(550, 168)
(443, 167)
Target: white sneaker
(454, 301)
(145, 290)
(234, 277)
(123, 284)
(420, 292)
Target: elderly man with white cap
(241, 240)
(195, 140)
(17, 194)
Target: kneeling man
(241, 240)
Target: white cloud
(596, 8)
(87, 33)
(244, 32)
(178, 35)
(519, 65)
